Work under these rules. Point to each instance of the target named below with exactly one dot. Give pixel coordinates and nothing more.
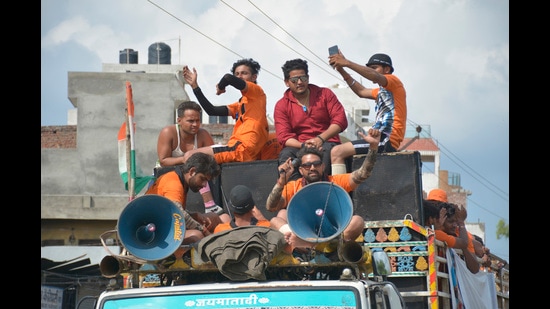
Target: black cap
(240, 199)
(380, 59)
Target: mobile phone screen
(333, 50)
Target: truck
(396, 263)
(346, 291)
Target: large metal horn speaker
(110, 266)
(151, 227)
(319, 211)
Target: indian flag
(133, 177)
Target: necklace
(304, 106)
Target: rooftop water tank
(159, 53)
(128, 56)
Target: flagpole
(130, 160)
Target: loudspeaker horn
(319, 211)
(353, 252)
(151, 227)
(110, 266)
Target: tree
(503, 229)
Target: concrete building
(83, 183)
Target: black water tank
(159, 53)
(128, 55)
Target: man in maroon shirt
(307, 116)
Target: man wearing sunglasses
(307, 116)
(312, 169)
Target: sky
(452, 57)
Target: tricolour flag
(133, 177)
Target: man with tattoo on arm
(312, 170)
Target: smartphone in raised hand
(333, 50)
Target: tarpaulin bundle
(242, 253)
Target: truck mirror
(381, 263)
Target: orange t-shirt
(169, 186)
(470, 242)
(400, 108)
(293, 186)
(450, 240)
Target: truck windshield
(313, 298)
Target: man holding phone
(391, 106)
(307, 116)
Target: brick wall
(65, 136)
(221, 132)
(58, 136)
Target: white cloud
(65, 31)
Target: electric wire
(292, 36)
(265, 31)
(208, 37)
(467, 168)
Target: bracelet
(352, 83)
(322, 140)
(200, 228)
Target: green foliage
(503, 229)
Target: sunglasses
(308, 165)
(295, 79)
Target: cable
(289, 34)
(206, 36)
(461, 165)
(485, 181)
